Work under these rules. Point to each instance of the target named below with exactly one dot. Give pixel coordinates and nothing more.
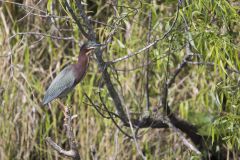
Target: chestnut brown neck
(83, 56)
(81, 67)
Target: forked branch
(73, 152)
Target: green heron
(71, 75)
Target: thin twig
(34, 7)
(155, 60)
(133, 134)
(98, 109)
(42, 34)
(211, 64)
(149, 45)
(22, 5)
(113, 120)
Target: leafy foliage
(39, 39)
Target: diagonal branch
(91, 33)
(112, 118)
(76, 20)
(103, 66)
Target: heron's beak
(96, 45)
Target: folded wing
(61, 85)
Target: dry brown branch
(73, 152)
(60, 150)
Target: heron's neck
(82, 59)
(80, 68)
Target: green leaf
(49, 6)
(26, 57)
(222, 67)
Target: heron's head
(87, 47)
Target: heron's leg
(64, 109)
(49, 105)
(62, 106)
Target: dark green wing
(61, 85)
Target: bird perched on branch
(71, 75)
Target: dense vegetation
(179, 84)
